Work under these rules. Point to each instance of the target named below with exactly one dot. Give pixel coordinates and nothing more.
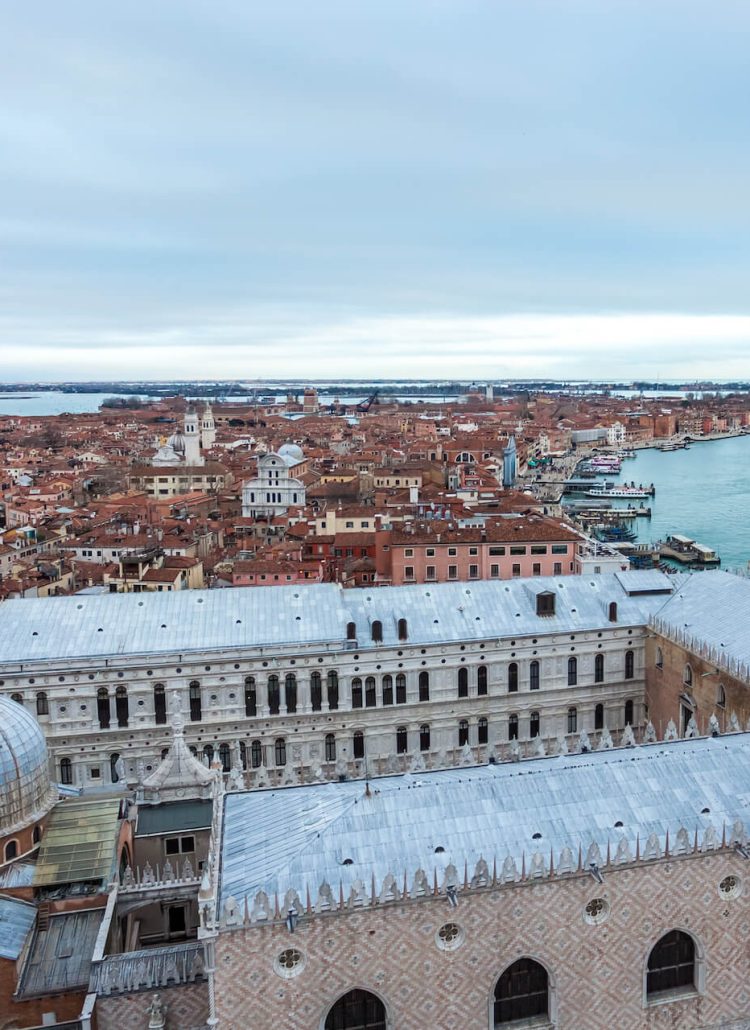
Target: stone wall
(597, 972)
(186, 1008)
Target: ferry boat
(621, 491)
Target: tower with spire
(192, 438)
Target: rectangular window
(408, 552)
(559, 548)
(518, 549)
(536, 569)
(473, 572)
(538, 548)
(494, 571)
(430, 552)
(430, 572)
(452, 572)
(452, 552)
(473, 551)
(497, 551)
(409, 572)
(516, 570)
(557, 569)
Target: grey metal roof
(156, 623)
(173, 816)
(60, 956)
(300, 837)
(714, 608)
(16, 919)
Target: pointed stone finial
(605, 740)
(538, 747)
(628, 737)
(562, 745)
(671, 731)
(584, 744)
(734, 723)
(691, 730)
(515, 751)
(417, 764)
(467, 755)
(649, 734)
(713, 726)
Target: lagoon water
(702, 492)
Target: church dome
(26, 792)
(177, 442)
(291, 450)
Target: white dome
(177, 442)
(26, 792)
(291, 450)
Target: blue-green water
(702, 492)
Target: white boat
(620, 491)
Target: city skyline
(492, 191)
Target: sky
(423, 189)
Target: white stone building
(275, 489)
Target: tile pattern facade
(186, 1008)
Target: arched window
(42, 704)
(671, 964)
(629, 665)
(513, 726)
(256, 754)
(225, 757)
(113, 773)
(424, 685)
(513, 677)
(659, 658)
(687, 676)
(403, 633)
(290, 693)
(356, 692)
(357, 1010)
(121, 706)
(521, 993)
(482, 731)
(370, 697)
(316, 691)
(599, 669)
(160, 704)
(274, 698)
(358, 742)
(613, 611)
(572, 671)
(11, 850)
(243, 754)
(18, 698)
(351, 631)
(628, 713)
(377, 632)
(279, 751)
(66, 770)
(572, 720)
(102, 707)
(424, 738)
(330, 748)
(599, 717)
(400, 689)
(721, 696)
(333, 690)
(402, 740)
(482, 680)
(463, 733)
(251, 696)
(534, 675)
(463, 682)
(534, 724)
(208, 753)
(195, 701)
(387, 690)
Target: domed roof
(26, 792)
(177, 442)
(291, 450)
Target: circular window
(596, 911)
(289, 963)
(449, 937)
(730, 887)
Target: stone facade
(596, 972)
(185, 1007)
(122, 691)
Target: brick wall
(597, 970)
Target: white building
(275, 489)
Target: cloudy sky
(472, 189)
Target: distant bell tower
(192, 439)
(509, 463)
(208, 428)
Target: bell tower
(192, 439)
